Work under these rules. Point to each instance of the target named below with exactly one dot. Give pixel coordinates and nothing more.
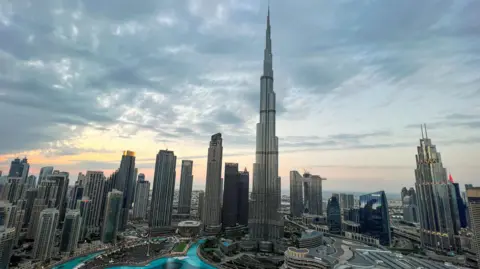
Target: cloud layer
(81, 78)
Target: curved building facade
(298, 258)
(374, 217)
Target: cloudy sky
(83, 80)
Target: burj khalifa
(265, 222)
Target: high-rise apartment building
(7, 238)
(94, 190)
(111, 221)
(185, 192)
(61, 179)
(85, 207)
(70, 232)
(125, 182)
(473, 198)
(296, 194)
(142, 193)
(75, 195)
(265, 222)
(230, 195)
(213, 189)
(436, 199)
(19, 169)
(163, 190)
(45, 236)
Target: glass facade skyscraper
(334, 217)
(374, 217)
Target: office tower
(75, 195)
(296, 194)
(124, 182)
(404, 192)
(70, 231)
(374, 217)
(343, 201)
(186, 182)
(62, 180)
(461, 207)
(111, 222)
(44, 172)
(163, 188)
(46, 198)
(142, 192)
(135, 175)
(265, 222)
(7, 238)
(141, 177)
(201, 204)
(230, 195)
(473, 198)
(45, 236)
(19, 169)
(434, 191)
(213, 189)
(337, 196)
(84, 206)
(315, 195)
(334, 216)
(31, 181)
(94, 188)
(243, 191)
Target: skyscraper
(374, 217)
(461, 207)
(201, 204)
(45, 236)
(44, 172)
(265, 222)
(334, 216)
(212, 209)
(163, 188)
(473, 197)
(7, 238)
(61, 179)
(125, 182)
(230, 195)
(434, 193)
(243, 195)
(94, 190)
(75, 195)
(19, 169)
(84, 206)
(70, 231)
(296, 194)
(185, 193)
(305, 194)
(111, 220)
(142, 193)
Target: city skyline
(191, 77)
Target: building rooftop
(310, 233)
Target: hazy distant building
(186, 182)
(70, 231)
(212, 209)
(111, 221)
(409, 204)
(45, 236)
(142, 193)
(163, 190)
(473, 197)
(94, 190)
(125, 182)
(436, 199)
(230, 195)
(334, 216)
(305, 194)
(44, 172)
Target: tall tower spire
(267, 61)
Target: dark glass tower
(374, 217)
(230, 195)
(243, 190)
(462, 208)
(334, 217)
(185, 192)
(125, 182)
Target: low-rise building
(299, 258)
